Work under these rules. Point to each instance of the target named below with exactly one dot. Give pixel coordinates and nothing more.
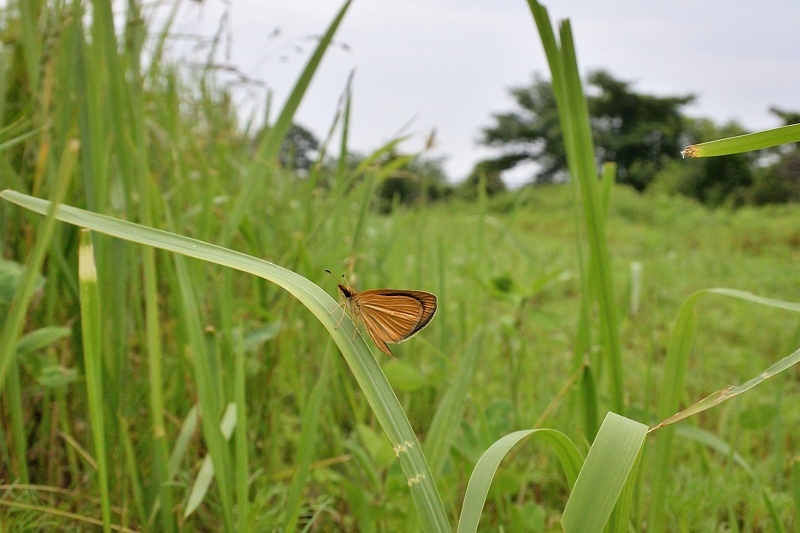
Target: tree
(779, 179)
(486, 173)
(530, 133)
(637, 131)
(298, 150)
(422, 179)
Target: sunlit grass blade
(745, 143)
(484, 471)
(365, 368)
(92, 353)
(607, 468)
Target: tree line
(642, 133)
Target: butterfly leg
(341, 306)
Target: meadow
(160, 392)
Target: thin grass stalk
(240, 437)
(131, 144)
(14, 321)
(267, 150)
(92, 358)
(132, 471)
(207, 390)
(582, 350)
(594, 218)
(12, 397)
(681, 340)
(574, 119)
(12, 328)
(307, 446)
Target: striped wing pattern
(391, 315)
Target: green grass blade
(606, 470)
(270, 144)
(207, 471)
(307, 446)
(594, 216)
(681, 340)
(132, 471)
(444, 426)
(732, 391)
(209, 395)
(241, 442)
(483, 473)
(92, 352)
(745, 143)
(12, 327)
(365, 368)
(577, 134)
(678, 353)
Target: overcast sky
(447, 64)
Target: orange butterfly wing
(392, 315)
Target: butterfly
(389, 315)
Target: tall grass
(169, 391)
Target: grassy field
(103, 395)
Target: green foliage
(486, 177)
(298, 150)
(419, 181)
(778, 183)
(192, 353)
(636, 131)
(643, 135)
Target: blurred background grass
(167, 150)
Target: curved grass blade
(356, 353)
(732, 391)
(680, 348)
(482, 475)
(604, 474)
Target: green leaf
(485, 469)
(745, 143)
(604, 474)
(41, 338)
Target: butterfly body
(389, 315)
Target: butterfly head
(345, 291)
